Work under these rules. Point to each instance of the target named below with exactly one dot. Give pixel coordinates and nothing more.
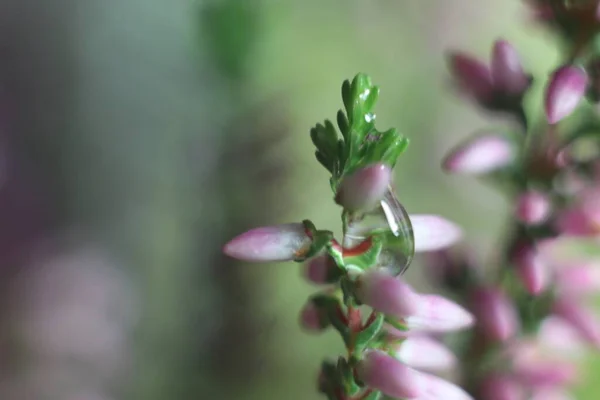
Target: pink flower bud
(565, 90)
(272, 243)
(364, 188)
(320, 269)
(432, 232)
(578, 279)
(501, 387)
(432, 387)
(481, 154)
(581, 318)
(583, 218)
(531, 269)
(386, 293)
(425, 353)
(535, 365)
(533, 208)
(507, 72)
(437, 314)
(390, 376)
(472, 76)
(560, 337)
(496, 316)
(312, 319)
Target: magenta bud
(472, 76)
(432, 232)
(582, 319)
(531, 269)
(425, 353)
(533, 208)
(507, 72)
(272, 243)
(481, 154)
(365, 188)
(382, 372)
(437, 314)
(496, 317)
(565, 90)
(501, 387)
(312, 319)
(320, 270)
(386, 293)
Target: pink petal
(481, 154)
(579, 279)
(565, 90)
(437, 314)
(390, 376)
(432, 387)
(311, 318)
(386, 293)
(531, 269)
(432, 232)
(559, 336)
(271, 243)
(496, 316)
(425, 353)
(507, 71)
(473, 76)
(501, 387)
(319, 269)
(533, 208)
(364, 188)
(583, 320)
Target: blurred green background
(163, 128)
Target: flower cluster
(529, 305)
(391, 332)
(532, 309)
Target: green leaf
(363, 339)
(396, 323)
(320, 240)
(346, 377)
(343, 124)
(376, 395)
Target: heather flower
(501, 387)
(533, 207)
(580, 317)
(425, 353)
(566, 88)
(391, 296)
(582, 218)
(365, 188)
(481, 154)
(394, 378)
(496, 317)
(312, 319)
(272, 243)
(497, 86)
(531, 268)
(432, 232)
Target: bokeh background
(138, 136)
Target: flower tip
(566, 88)
(363, 189)
(507, 72)
(386, 293)
(432, 232)
(272, 243)
(388, 375)
(480, 155)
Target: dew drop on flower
(390, 219)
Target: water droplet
(391, 219)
